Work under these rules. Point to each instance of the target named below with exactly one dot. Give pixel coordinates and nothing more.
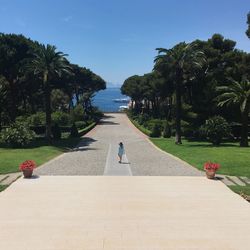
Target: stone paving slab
(236, 180)
(225, 180)
(122, 212)
(245, 179)
(9, 178)
(3, 176)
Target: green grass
(39, 151)
(241, 189)
(234, 160)
(2, 187)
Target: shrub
(166, 133)
(143, 118)
(61, 118)
(74, 131)
(215, 129)
(96, 114)
(150, 124)
(77, 114)
(80, 124)
(22, 119)
(56, 132)
(37, 119)
(17, 135)
(187, 129)
(39, 130)
(156, 131)
(132, 114)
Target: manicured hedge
(141, 128)
(84, 131)
(41, 129)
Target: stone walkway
(97, 154)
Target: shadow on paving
(108, 123)
(84, 145)
(108, 116)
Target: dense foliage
(74, 131)
(215, 129)
(56, 132)
(40, 86)
(192, 82)
(17, 135)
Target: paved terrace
(97, 154)
(122, 213)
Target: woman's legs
(120, 158)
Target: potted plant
(27, 168)
(211, 169)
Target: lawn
(39, 151)
(241, 189)
(2, 187)
(234, 160)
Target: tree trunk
(0, 120)
(77, 95)
(157, 105)
(178, 113)
(47, 108)
(13, 101)
(244, 129)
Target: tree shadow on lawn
(212, 146)
(207, 144)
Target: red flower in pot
(211, 169)
(27, 168)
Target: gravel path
(97, 153)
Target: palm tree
(248, 23)
(3, 95)
(48, 64)
(237, 93)
(179, 63)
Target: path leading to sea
(97, 154)
(178, 210)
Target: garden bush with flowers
(27, 165)
(210, 166)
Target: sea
(104, 100)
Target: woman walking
(121, 151)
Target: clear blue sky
(117, 38)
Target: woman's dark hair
(121, 144)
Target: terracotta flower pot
(27, 173)
(210, 174)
